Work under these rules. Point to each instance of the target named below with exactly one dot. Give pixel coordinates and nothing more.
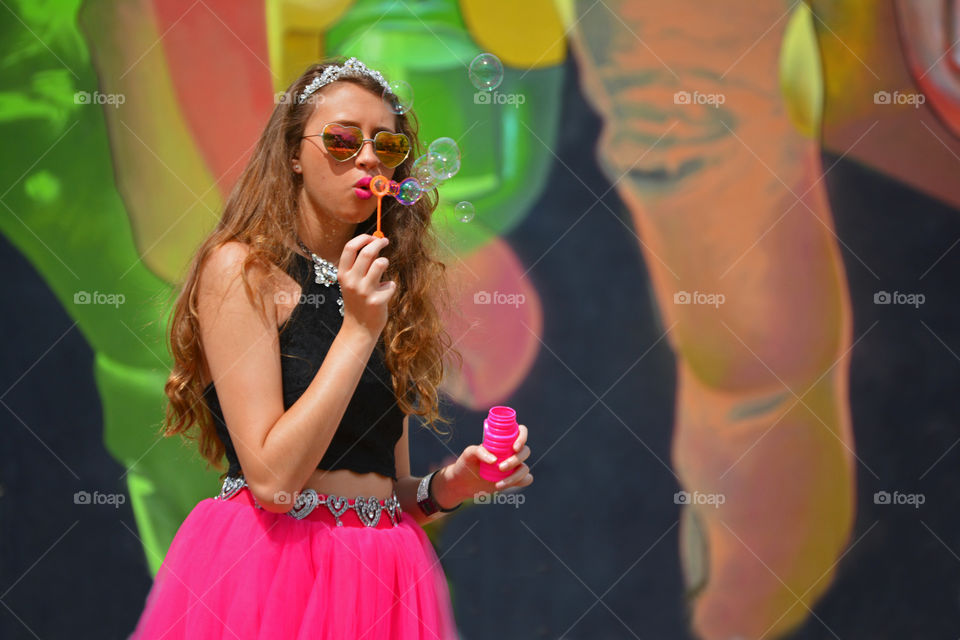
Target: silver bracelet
(425, 499)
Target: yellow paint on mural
(524, 35)
(295, 31)
(801, 79)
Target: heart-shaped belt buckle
(304, 504)
(368, 510)
(337, 506)
(393, 509)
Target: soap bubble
(444, 158)
(394, 188)
(465, 210)
(409, 191)
(422, 170)
(399, 97)
(486, 72)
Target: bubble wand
(379, 186)
(406, 192)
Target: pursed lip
(363, 183)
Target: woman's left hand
(464, 479)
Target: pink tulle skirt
(237, 571)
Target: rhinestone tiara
(352, 67)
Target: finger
(383, 293)
(513, 477)
(522, 438)
(513, 461)
(367, 255)
(349, 253)
(371, 281)
(485, 455)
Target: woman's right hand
(365, 298)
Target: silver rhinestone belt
(368, 510)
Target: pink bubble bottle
(500, 431)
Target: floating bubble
(422, 170)
(486, 72)
(444, 158)
(465, 210)
(409, 191)
(393, 189)
(399, 97)
(438, 168)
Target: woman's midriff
(344, 482)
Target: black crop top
(373, 421)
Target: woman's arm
(407, 484)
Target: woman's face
(331, 186)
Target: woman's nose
(367, 158)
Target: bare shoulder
(220, 274)
(224, 264)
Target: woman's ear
(295, 165)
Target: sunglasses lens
(342, 142)
(391, 148)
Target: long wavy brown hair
(262, 212)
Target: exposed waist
(351, 483)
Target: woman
(302, 364)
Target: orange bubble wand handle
(379, 186)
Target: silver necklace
(326, 273)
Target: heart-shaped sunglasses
(345, 141)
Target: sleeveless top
(373, 421)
